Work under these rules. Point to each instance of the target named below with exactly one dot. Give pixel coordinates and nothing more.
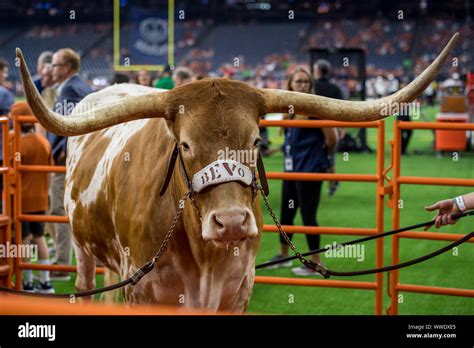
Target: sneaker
(62, 276)
(45, 288)
(28, 287)
(279, 265)
(305, 271)
(333, 186)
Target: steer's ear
(170, 129)
(171, 111)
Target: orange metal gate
(6, 264)
(394, 285)
(19, 217)
(377, 178)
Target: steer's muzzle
(230, 225)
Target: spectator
(182, 76)
(430, 93)
(72, 89)
(404, 115)
(324, 88)
(449, 207)
(165, 82)
(6, 97)
(48, 90)
(453, 85)
(119, 78)
(6, 102)
(199, 77)
(144, 78)
(306, 150)
(35, 150)
(380, 90)
(45, 58)
(49, 94)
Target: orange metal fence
(378, 179)
(19, 217)
(19, 305)
(394, 285)
(6, 266)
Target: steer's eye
(185, 146)
(257, 142)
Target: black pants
(363, 140)
(32, 227)
(304, 195)
(406, 134)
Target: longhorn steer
(120, 141)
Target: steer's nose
(231, 225)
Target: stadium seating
(80, 37)
(252, 43)
(211, 48)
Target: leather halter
(172, 162)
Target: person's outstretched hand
(446, 209)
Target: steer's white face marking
(223, 184)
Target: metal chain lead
(308, 263)
(194, 203)
(179, 211)
(149, 265)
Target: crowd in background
(398, 48)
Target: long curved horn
(354, 111)
(129, 109)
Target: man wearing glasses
(71, 90)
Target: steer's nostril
(218, 221)
(246, 219)
(231, 224)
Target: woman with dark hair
(306, 150)
(144, 78)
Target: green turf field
(354, 206)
